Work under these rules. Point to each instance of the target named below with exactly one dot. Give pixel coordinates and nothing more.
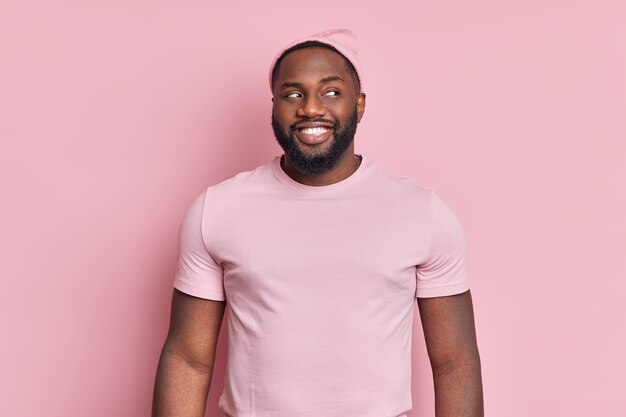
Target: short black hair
(315, 44)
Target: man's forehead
(331, 78)
(313, 63)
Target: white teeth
(315, 130)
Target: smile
(313, 135)
(314, 130)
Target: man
(320, 256)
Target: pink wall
(116, 114)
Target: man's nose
(311, 107)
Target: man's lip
(305, 125)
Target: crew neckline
(287, 180)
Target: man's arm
(186, 364)
(448, 324)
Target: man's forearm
(458, 389)
(181, 387)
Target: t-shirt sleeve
(445, 270)
(197, 273)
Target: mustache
(292, 127)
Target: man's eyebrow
(290, 84)
(324, 80)
(331, 78)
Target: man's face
(316, 109)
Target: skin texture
(450, 335)
(313, 84)
(186, 364)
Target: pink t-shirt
(320, 284)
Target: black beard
(313, 165)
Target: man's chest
(317, 246)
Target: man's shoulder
(241, 180)
(394, 180)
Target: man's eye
(332, 93)
(293, 95)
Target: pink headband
(342, 40)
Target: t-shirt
(320, 284)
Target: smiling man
(320, 256)
(317, 105)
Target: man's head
(317, 104)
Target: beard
(316, 164)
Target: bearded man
(320, 256)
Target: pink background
(116, 114)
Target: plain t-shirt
(320, 284)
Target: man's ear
(272, 99)
(360, 106)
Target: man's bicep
(194, 329)
(449, 330)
